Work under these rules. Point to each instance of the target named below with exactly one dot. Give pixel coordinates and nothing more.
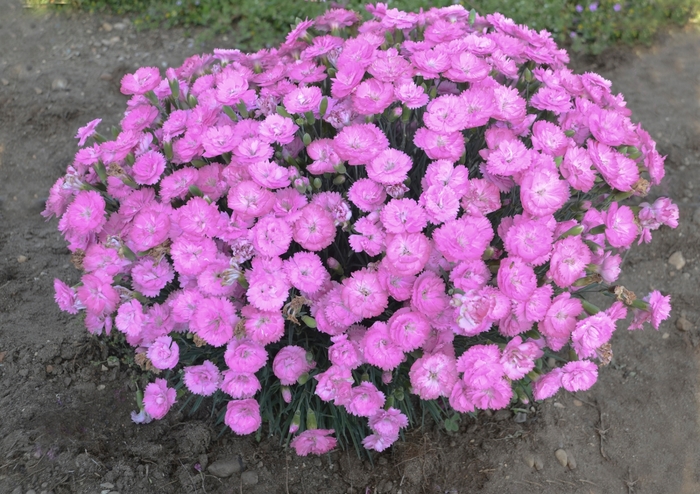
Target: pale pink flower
(315, 228)
(344, 353)
(240, 385)
(440, 146)
(407, 253)
(365, 400)
(467, 67)
(363, 294)
(313, 441)
(519, 358)
(429, 297)
(618, 170)
(570, 256)
(271, 236)
(334, 384)
(591, 333)
(158, 398)
(379, 349)
(97, 293)
(367, 195)
(164, 353)
(494, 397)
(508, 158)
(177, 184)
(390, 166)
(140, 82)
(250, 199)
(276, 128)
(399, 287)
(245, 355)
(620, 226)
(446, 114)
(410, 94)
(481, 365)
(372, 96)
(290, 363)
(482, 197)
(459, 399)
(231, 88)
(261, 326)
(464, 239)
(150, 227)
(433, 376)
(542, 192)
(408, 329)
(192, 254)
(130, 318)
(549, 138)
(66, 297)
(658, 311)
(576, 169)
(149, 277)
(403, 215)
(84, 133)
(529, 239)
(556, 100)
(610, 127)
(441, 203)
(86, 214)
(202, 379)
(243, 416)
(470, 275)
(516, 279)
(303, 99)
(547, 385)
(305, 272)
(213, 320)
(388, 423)
(579, 375)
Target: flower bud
(339, 179)
(577, 230)
(311, 420)
(287, 394)
(296, 422)
(307, 139)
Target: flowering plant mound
(413, 204)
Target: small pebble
(225, 467)
(101, 387)
(249, 478)
(107, 26)
(683, 324)
(22, 259)
(562, 457)
(107, 485)
(558, 405)
(38, 90)
(520, 418)
(686, 276)
(502, 415)
(571, 462)
(106, 76)
(677, 260)
(551, 362)
(665, 336)
(59, 84)
(539, 464)
(5, 82)
(529, 460)
(578, 403)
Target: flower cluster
(413, 203)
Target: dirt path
(64, 409)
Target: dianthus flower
(313, 441)
(576, 169)
(390, 166)
(481, 365)
(579, 375)
(140, 82)
(240, 385)
(367, 195)
(516, 279)
(407, 253)
(440, 146)
(158, 398)
(542, 192)
(379, 348)
(243, 416)
(66, 297)
(570, 256)
(305, 272)
(303, 99)
(463, 239)
(620, 226)
(290, 363)
(202, 379)
(164, 353)
(547, 385)
(433, 376)
(403, 215)
(365, 400)
(659, 310)
(591, 333)
(363, 294)
(315, 228)
(149, 277)
(97, 293)
(86, 214)
(213, 320)
(509, 158)
(245, 355)
(519, 358)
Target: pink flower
(213, 320)
(202, 379)
(367, 195)
(407, 253)
(459, 398)
(570, 256)
(467, 67)
(481, 365)
(429, 297)
(158, 398)
(164, 353)
(66, 297)
(271, 236)
(347, 78)
(261, 326)
(509, 158)
(463, 239)
(130, 318)
(403, 215)
(408, 329)
(240, 385)
(177, 184)
(470, 275)
(150, 227)
(482, 197)
(84, 133)
(140, 82)
(86, 214)
(363, 294)
(313, 441)
(560, 320)
(440, 146)
(547, 385)
(519, 358)
(303, 99)
(276, 128)
(315, 228)
(591, 333)
(191, 254)
(658, 311)
(243, 416)
(365, 400)
(433, 376)
(410, 94)
(290, 363)
(620, 226)
(549, 138)
(446, 114)
(198, 217)
(97, 293)
(372, 96)
(334, 384)
(379, 348)
(244, 355)
(344, 353)
(306, 272)
(619, 171)
(441, 203)
(231, 88)
(576, 169)
(390, 166)
(269, 174)
(542, 193)
(516, 279)
(150, 278)
(249, 199)
(556, 100)
(579, 375)
(495, 397)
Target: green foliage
(255, 24)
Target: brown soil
(65, 425)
